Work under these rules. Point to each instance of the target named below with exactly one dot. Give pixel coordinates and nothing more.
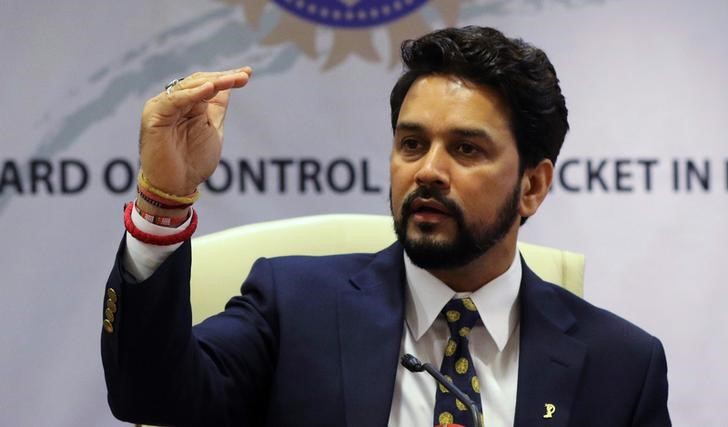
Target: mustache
(433, 194)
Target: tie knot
(461, 316)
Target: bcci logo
(350, 13)
(352, 23)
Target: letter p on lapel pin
(550, 410)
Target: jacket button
(110, 305)
(108, 327)
(111, 294)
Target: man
(478, 122)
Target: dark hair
(520, 73)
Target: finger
(218, 102)
(165, 109)
(206, 89)
(190, 94)
(231, 81)
(182, 98)
(217, 109)
(222, 80)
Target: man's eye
(410, 144)
(467, 149)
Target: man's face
(455, 187)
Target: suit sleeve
(652, 405)
(160, 370)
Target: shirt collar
(497, 301)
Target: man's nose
(434, 168)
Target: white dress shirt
(494, 343)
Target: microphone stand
(413, 364)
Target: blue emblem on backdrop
(350, 13)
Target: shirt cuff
(141, 259)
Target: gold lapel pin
(550, 410)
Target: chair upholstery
(220, 261)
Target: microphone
(413, 364)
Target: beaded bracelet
(154, 239)
(166, 221)
(183, 200)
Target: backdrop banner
(641, 186)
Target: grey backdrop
(642, 188)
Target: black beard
(467, 245)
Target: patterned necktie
(457, 365)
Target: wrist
(164, 184)
(161, 198)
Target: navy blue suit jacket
(315, 341)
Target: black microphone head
(412, 363)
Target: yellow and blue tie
(457, 365)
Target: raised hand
(182, 130)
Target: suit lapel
(550, 361)
(371, 319)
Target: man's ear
(535, 184)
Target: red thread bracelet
(154, 239)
